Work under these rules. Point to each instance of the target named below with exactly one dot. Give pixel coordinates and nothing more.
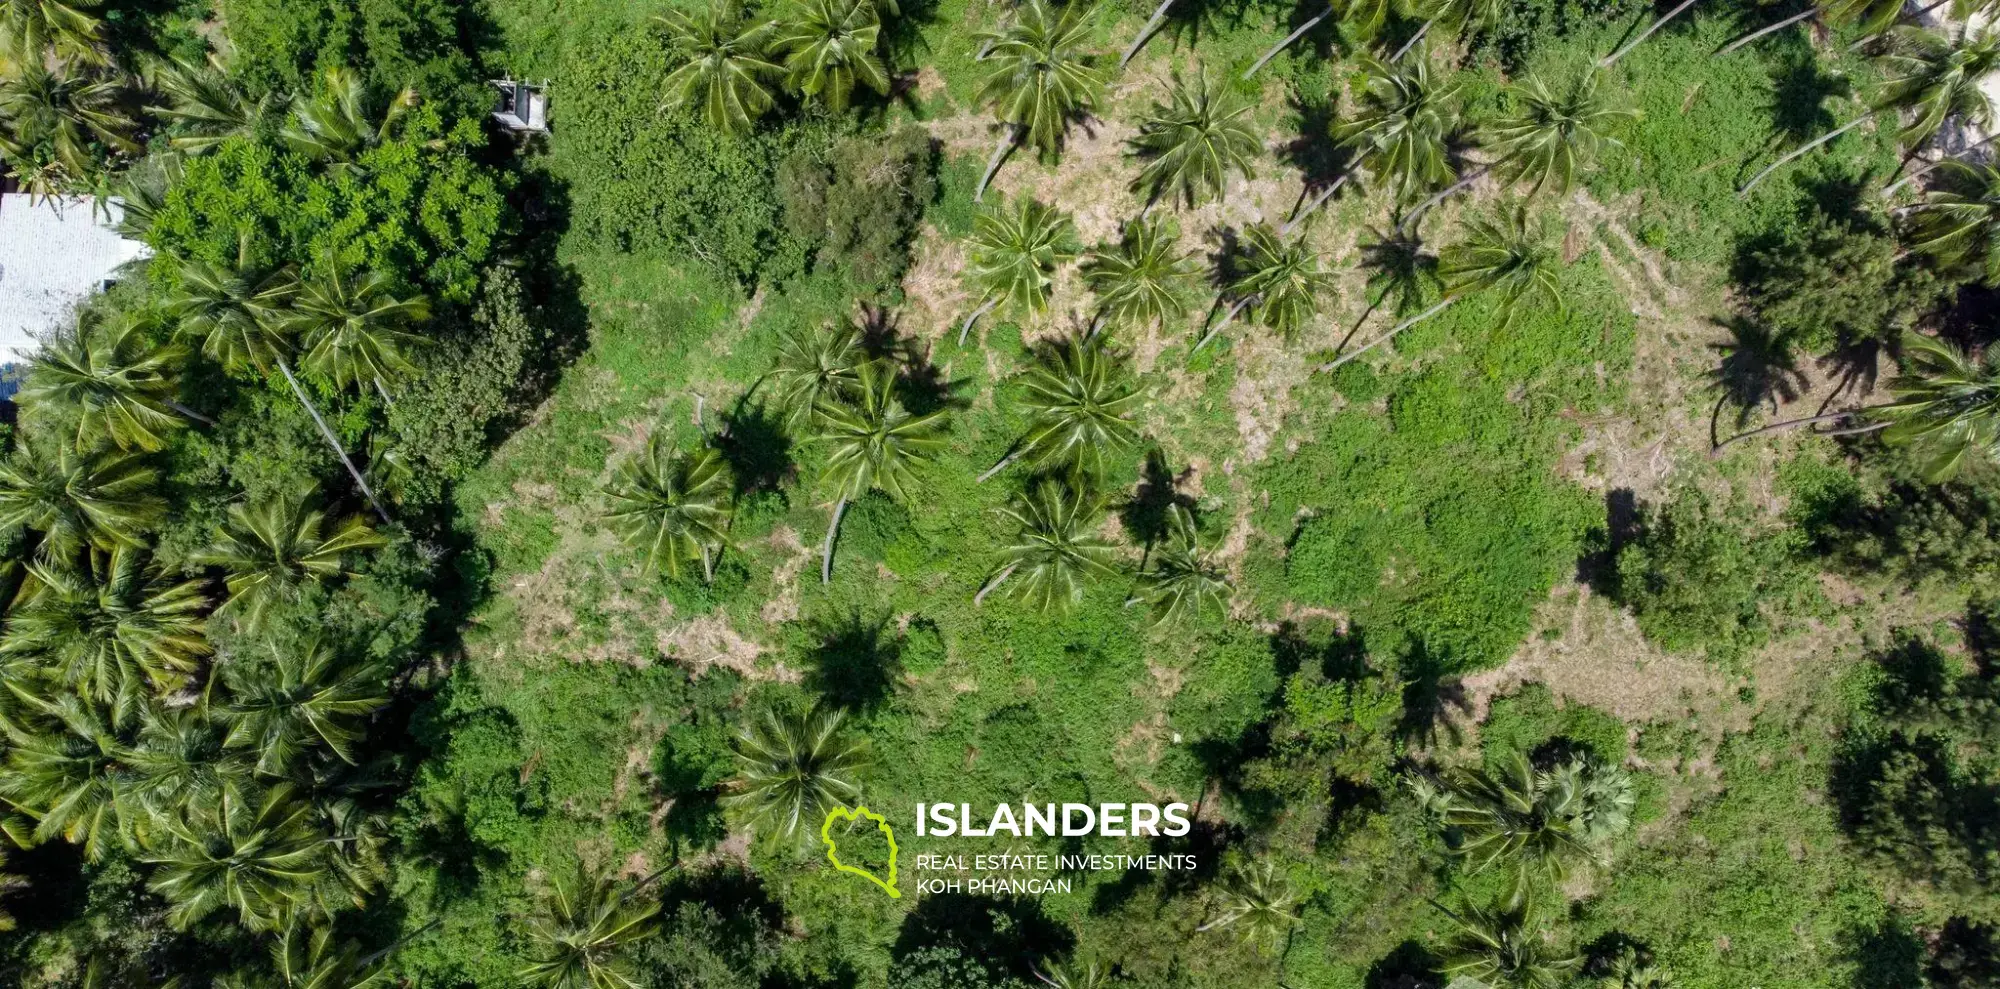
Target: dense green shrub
(1828, 283)
(1529, 719)
(861, 205)
(1883, 518)
(1330, 727)
(943, 966)
(282, 45)
(1701, 577)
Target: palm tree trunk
(1477, 174)
(1287, 43)
(1011, 456)
(393, 948)
(1442, 305)
(1779, 427)
(1771, 29)
(984, 308)
(991, 585)
(1317, 202)
(1223, 323)
(383, 391)
(1890, 190)
(1152, 24)
(1009, 137)
(190, 413)
(1816, 142)
(1657, 24)
(332, 441)
(1412, 43)
(826, 549)
(707, 567)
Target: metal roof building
(53, 254)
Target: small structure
(54, 252)
(523, 108)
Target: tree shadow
(1800, 89)
(920, 383)
(1885, 956)
(1757, 368)
(1314, 152)
(1410, 966)
(1009, 935)
(1431, 693)
(1145, 513)
(1597, 568)
(854, 661)
(1205, 840)
(756, 445)
(1964, 954)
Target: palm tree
(1541, 822)
(180, 761)
(1873, 16)
(207, 104)
(726, 68)
(76, 500)
(872, 443)
(240, 316)
(1945, 403)
(793, 767)
(1193, 141)
(830, 47)
(1502, 945)
(1185, 580)
(1399, 132)
(274, 547)
(304, 697)
(350, 329)
(672, 507)
(1258, 904)
(1055, 547)
(62, 771)
(1074, 975)
(261, 858)
(28, 28)
(1633, 969)
(62, 114)
(1014, 254)
(335, 126)
(1081, 405)
(311, 960)
(143, 189)
(1464, 18)
(1039, 78)
(1959, 224)
(1508, 254)
(1933, 78)
(1553, 134)
(114, 629)
(121, 384)
(1143, 279)
(585, 932)
(815, 366)
(1279, 283)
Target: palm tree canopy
(672, 507)
(27, 27)
(830, 48)
(724, 76)
(77, 500)
(1461, 17)
(1185, 580)
(1055, 547)
(62, 771)
(1401, 126)
(312, 960)
(1946, 403)
(1283, 278)
(1014, 253)
(816, 366)
(111, 627)
(273, 547)
(584, 933)
(1542, 822)
(1040, 78)
(1959, 223)
(180, 762)
(1555, 133)
(304, 697)
(350, 327)
(236, 313)
(1502, 945)
(108, 368)
(261, 858)
(62, 114)
(793, 768)
(207, 106)
(335, 125)
(1195, 140)
(1258, 904)
(1934, 78)
(1142, 279)
(1083, 404)
(872, 440)
(1508, 253)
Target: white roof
(53, 253)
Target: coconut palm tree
(1634, 969)
(63, 114)
(179, 761)
(303, 959)
(240, 315)
(815, 366)
(29, 28)
(77, 500)
(1055, 547)
(1398, 133)
(1932, 79)
(206, 104)
(1143, 279)
(1542, 822)
(260, 858)
(585, 931)
(727, 68)
(305, 696)
(1194, 141)
(63, 761)
(1185, 580)
(1946, 404)
(1014, 254)
(830, 48)
(1873, 17)
(1074, 974)
(274, 547)
(672, 507)
(143, 189)
(1038, 79)
(793, 767)
(1959, 224)
(1503, 945)
(1359, 19)
(121, 384)
(351, 329)
(1508, 254)
(1464, 18)
(1279, 282)
(1081, 403)
(1258, 904)
(1552, 134)
(111, 627)
(335, 126)
(872, 441)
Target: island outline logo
(858, 813)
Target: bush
(1528, 720)
(283, 45)
(1884, 519)
(863, 204)
(1831, 283)
(1697, 577)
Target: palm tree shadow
(1314, 152)
(920, 383)
(1189, 20)
(1431, 693)
(754, 442)
(1757, 368)
(1800, 89)
(854, 660)
(1145, 513)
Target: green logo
(833, 853)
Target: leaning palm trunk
(1890, 189)
(1794, 156)
(984, 308)
(189, 413)
(1009, 137)
(1412, 43)
(1222, 324)
(991, 585)
(1477, 174)
(997, 468)
(1287, 43)
(1318, 201)
(1772, 29)
(1442, 305)
(332, 441)
(1779, 427)
(1152, 24)
(1657, 24)
(826, 549)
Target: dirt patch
(710, 640)
(783, 605)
